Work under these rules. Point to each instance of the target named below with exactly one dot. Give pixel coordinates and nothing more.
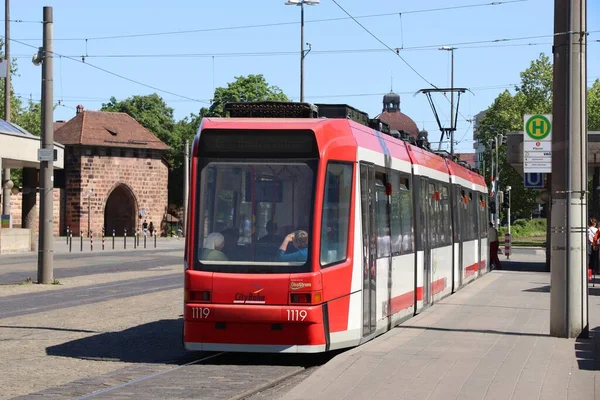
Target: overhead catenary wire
(274, 24)
(395, 51)
(112, 73)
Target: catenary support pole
(6, 178)
(45, 248)
(569, 292)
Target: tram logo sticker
(250, 298)
(297, 285)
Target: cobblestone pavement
(119, 332)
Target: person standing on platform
(592, 247)
(493, 244)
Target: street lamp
(301, 3)
(452, 127)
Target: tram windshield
(255, 216)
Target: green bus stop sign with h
(538, 127)
(537, 143)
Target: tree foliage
(532, 96)
(249, 88)
(594, 106)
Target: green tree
(30, 118)
(15, 102)
(533, 95)
(243, 89)
(594, 106)
(150, 111)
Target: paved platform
(488, 341)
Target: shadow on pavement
(539, 289)
(523, 266)
(587, 351)
(491, 331)
(161, 342)
(45, 328)
(154, 342)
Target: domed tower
(395, 118)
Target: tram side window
(406, 212)
(464, 215)
(433, 216)
(446, 221)
(483, 224)
(396, 214)
(382, 216)
(473, 207)
(401, 215)
(336, 213)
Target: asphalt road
(17, 268)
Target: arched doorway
(120, 212)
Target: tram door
(369, 235)
(427, 190)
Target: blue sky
(358, 78)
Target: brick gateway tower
(114, 173)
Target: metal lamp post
(301, 3)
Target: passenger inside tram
(271, 236)
(300, 241)
(213, 245)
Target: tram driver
(300, 241)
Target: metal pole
(45, 252)
(186, 182)
(302, 52)
(492, 175)
(452, 124)
(497, 184)
(508, 211)
(70, 241)
(7, 97)
(569, 289)
(89, 209)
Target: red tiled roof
(469, 158)
(58, 124)
(400, 121)
(107, 129)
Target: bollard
(154, 241)
(102, 238)
(144, 241)
(113, 239)
(80, 241)
(135, 240)
(67, 235)
(70, 241)
(507, 245)
(91, 241)
(125, 240)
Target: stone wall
(16, 202)
(143, 173)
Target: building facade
(396, 119)
(115, 175)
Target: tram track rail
(307, 366)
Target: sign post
(537, 143)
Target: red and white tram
(311, 232)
